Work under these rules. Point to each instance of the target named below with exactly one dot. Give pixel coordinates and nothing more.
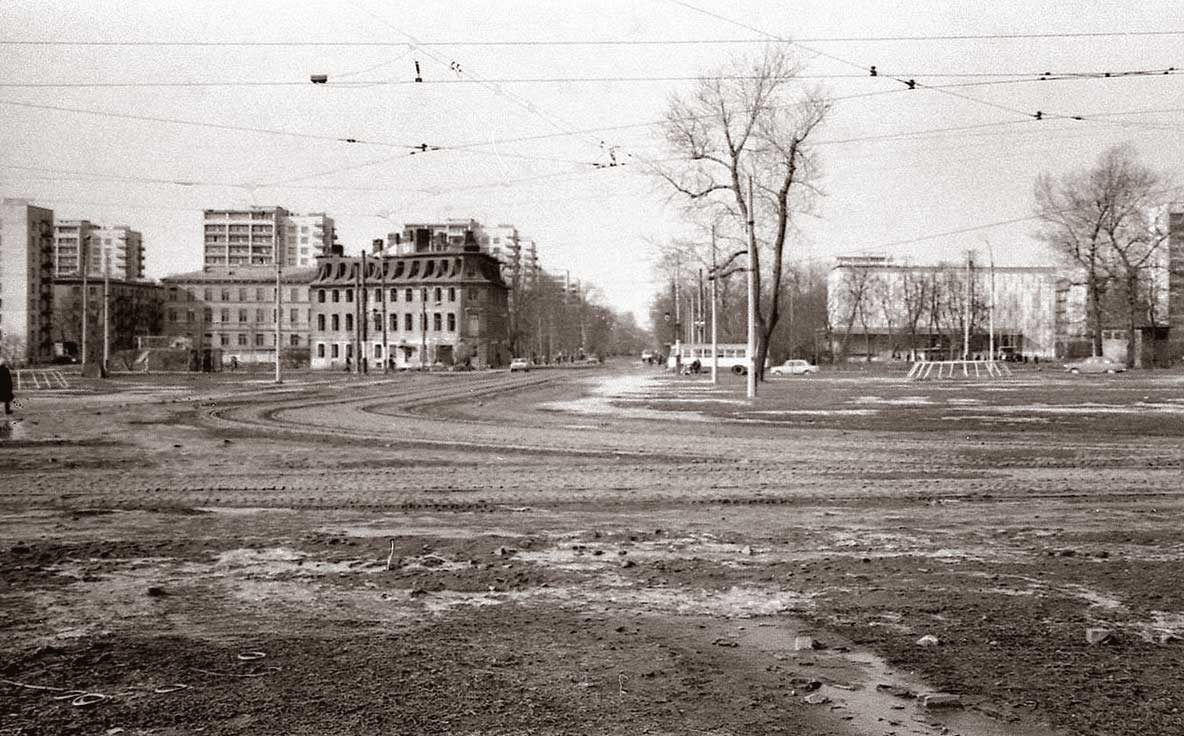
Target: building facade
(134, 310)
(250, 237)
(26, 281)
(436, 237)
(234, 311)
(879, 309)
(70, 239)
(1175, 279)
(309, 236)
(414, 310)
(117, 249)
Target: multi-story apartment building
(431, 307)
(26, 281)
(116, 249)
(436, 237)
(70, 243)
(309, 235)
(123, 249)
(252, 237)
(233, 309)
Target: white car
(794, 368)
(519, 364)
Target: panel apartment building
(258, 236)
(116, 249)
(26, 281)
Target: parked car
(1096, 364)
(794, 368)
(520, 364)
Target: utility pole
(106, 311)
(714, 324)
(677, 318)
(966, 312)
(364, 320)
(991, 313)
(84, 263)
(751, 383)
(423, 328)
(279, 311)
(386, 358)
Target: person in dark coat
(6, 394)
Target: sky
(523, 99)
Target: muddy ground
(612, 551)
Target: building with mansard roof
(443, 307)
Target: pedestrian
(6, 394)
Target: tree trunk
(1132, 306)
(1095, 309)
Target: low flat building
(445, 307)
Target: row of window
(334, 350)
(207, 315)
(335, 295)
(334, 322)
(244, 294)
(260, 340)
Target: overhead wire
(368, 83)
(598, 42)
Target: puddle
(849, 682)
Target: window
(293, 316)
(408, 322)
(321, 322)
(208, 295)
(226, 295)
(336, 322)
(378, 296)
(394, 323)
(242, 339)
(349, 295)
(408, 296)
(259, 339)
(336, 350)
(451, 322)
(349, 323)
(439, 294)
(349, 350)
(260, 295)
(378, 352)
(437, 322)
(451, 293)
(336, 295)
(224, 339)
(321, 296)
(260, 315)
(378, 322)
(394, 295)
(294, 295)
(208, 314)
(172, 315)
(242, 295)
(294, 340)
(320, 349)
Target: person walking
(6, 394)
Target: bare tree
(748, 120)
(1098, 219)
(914, 302)
(847, 300)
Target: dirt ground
(607, 551)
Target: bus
(732, 356)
